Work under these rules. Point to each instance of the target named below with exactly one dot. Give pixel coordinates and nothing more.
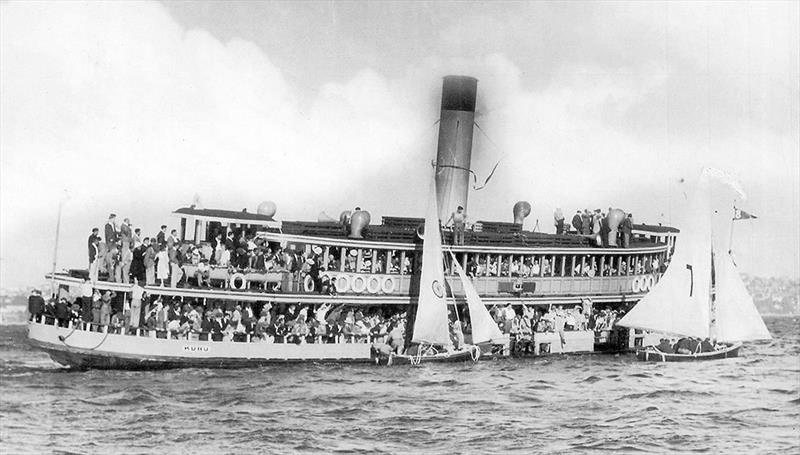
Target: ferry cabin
(380, 263)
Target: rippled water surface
(581, 404)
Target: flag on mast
(739, 214)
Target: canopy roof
(226, 215)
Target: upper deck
(507, 264)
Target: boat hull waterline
(95, 350)
(470, 354)
(652, 355)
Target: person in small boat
(456, 335)
(707, 345)
(665, 346)
(686, 346)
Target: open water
(578, 404)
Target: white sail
(679, 303)
(483, 326)
(737, 318)
(431, 323)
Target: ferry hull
(94, 350)
(647, 355)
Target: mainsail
(679, 303)
(483, 326)
(737, 318)
(431, 323)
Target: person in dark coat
(35, 304)
(706, 345)
(63, 312)
(161, 238)
(577, 222)
(112, 234)
(625, 228)
(137, 264)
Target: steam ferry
(368, 264)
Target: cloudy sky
(320, 106)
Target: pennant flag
(739, 214)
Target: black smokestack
(454, 153)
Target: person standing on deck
(459, 220)
(126, 259)
(87, 291)
(162, 264)
(150, 262)
(126, 234)
(161, 238)
(105, 308)
(586, 222)
(35, 304)
(94, 258)
(90, 242)
(137, 261)
(112, 235)
(577, 222)
(558, 217)
(626, 228)
(137, 295)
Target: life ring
(342, 283)
(326, 276)
(373, 284)
(651, 281)
(238, 276)
(636, 285)
(308, 284)
(359, 284)
(389, 284)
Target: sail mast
(712, 303)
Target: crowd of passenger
(596, 223)
(223, 320)
(522, 322)
(126, 256)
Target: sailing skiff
(701, 295)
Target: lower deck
(89, 346)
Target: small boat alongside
(431, 336)
(652, 354)
(701, 295)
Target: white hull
(84, 349)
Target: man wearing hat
(126, 234)
(112, 235)
(94, 258)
